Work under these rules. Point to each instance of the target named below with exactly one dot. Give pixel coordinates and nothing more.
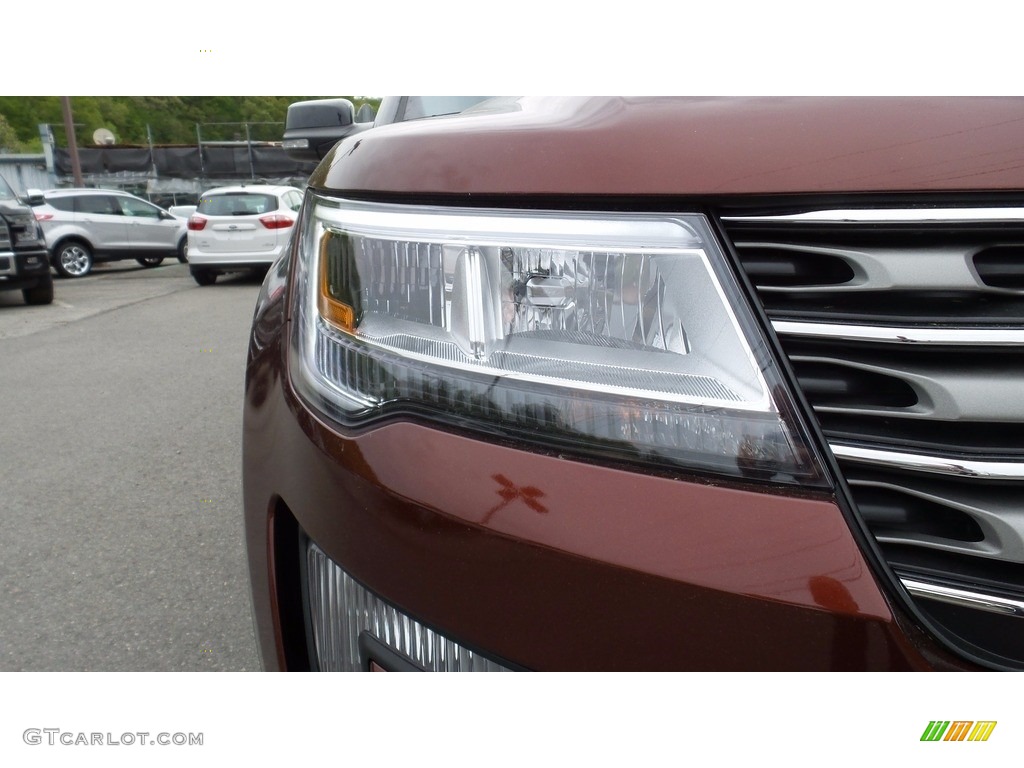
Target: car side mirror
(34, 197)
(312, 127)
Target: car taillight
(601, 333)
(196, 223)
(276, 221)
(42, 216)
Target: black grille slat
(1001, 267)
(768, 266)
(834, 385)
(898, 308)
(892, 405)
(895, 274)
(891, 514)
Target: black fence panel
(217, 161)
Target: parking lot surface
(121, 545)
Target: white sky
(447, 46)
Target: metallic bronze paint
(550, 563)
(623, 146)
(620, 570)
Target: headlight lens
(607, 334)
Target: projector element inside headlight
(606, 334)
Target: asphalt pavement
(121, 543)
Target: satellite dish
(103, 137)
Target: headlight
(609, 334)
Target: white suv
(86, 226)
(240, 228)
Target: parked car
(88, 226)
(647, 384)
(24, 263)
(182, 211)
(240, 228)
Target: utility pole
(152, 155)
(199, 143)
(248, 144)
(46, 137)
(69, 131)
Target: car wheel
(73, 259)
(150, 261)
(183, 250)
(204, 276)
(41, 294)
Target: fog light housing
(349, 623)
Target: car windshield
(6, 193)
(435, 106)
(236, 204)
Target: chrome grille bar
(936, 336)
(890, 216)
(964, 597)
(987, 470)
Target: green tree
(170, 119)
(9, 141)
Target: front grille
(350, 624)
(6, 241)
(905, 330)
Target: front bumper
(606, 569)
(229, 262)
(23, 268)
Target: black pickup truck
(23, 260)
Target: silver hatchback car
(87, 226)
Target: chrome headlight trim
(595, 318)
